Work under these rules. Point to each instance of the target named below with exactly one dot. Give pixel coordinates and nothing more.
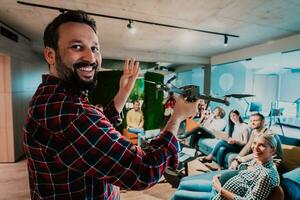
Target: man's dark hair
(259, 115)
(136, 101)
(51, 31)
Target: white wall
(191, 77)
(265, 88)
(236, 78)
(289, 86)
(25, 71)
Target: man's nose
(89, 55)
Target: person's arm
(247, 148)
(182, 110)
(241, 157)
(141, 124)
(112, 114)
(90, 145)
(127, 81)
(208, 121)
(220, 134)
(223, 192)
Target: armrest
(277, 194)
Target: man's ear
(49, 55)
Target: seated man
(257, 124)
(135, 121)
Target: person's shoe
(213, 167)
(205, 160)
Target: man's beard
(71, 77)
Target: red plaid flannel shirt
(74, 152)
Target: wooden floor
(14, 179)
(14, 184)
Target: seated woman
(254, 180)
(214, 122)
(259, 177)
(238, 136)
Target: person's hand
(127, 81)
(231, 141)
(216, 183)
(184, 109)
(234, 164)
(130, 74)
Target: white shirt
(241, 133)
(217, 124)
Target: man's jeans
(139, 132)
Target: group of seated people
(252, 174)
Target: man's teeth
(86, 69)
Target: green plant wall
(137, 92)
(153, 108)
(107, 87)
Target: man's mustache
(85, 64)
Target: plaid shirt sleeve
(112, 114)
(92, 146)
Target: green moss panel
(153, 108)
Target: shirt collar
(47, 79)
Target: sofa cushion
(196, 185)
(206, 145)
(293, 175)
(191, 195)
(289, 141)
(277, 194)
(203, 176)
(291, 189)
(291, 156)
(291, 184)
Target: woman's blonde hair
(270, 138)
(222, 112)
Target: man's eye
(95, 49)
(76, 47)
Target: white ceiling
(255, 21)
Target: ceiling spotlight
(130, 27)
(225, 40)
